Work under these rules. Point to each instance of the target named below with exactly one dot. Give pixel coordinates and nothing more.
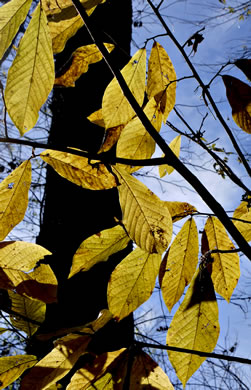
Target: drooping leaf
(135, 142)
(161, 79)
(243, 212)
(12, 16)
(116, 109)
(175, 147)
(31, 75)
(57, 363)
(179, 210)
(239, 97)
(30, 309)
(225, 267)
(98, 248)
(80, 61)
(12, 367)
(145, 217)
(194, 326)
(78, 170)
(14, 198)
(179, 263)
(132, 282)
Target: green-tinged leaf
(31, 75)
(239, 97)
(161, 79)
(179, 210)
(52, 7)
(194, 326)
(79, 64)
(14, 198)
(57, 363)
(98, 248)
(132, 282)
(115, 107)
(135, 142)
(243, 212)
(146, 219)
(29, 309)
(12, 16)
(175, 147)
(12, 367)
(78, 170)
(226, 266)
(3, 330)
(179, 263)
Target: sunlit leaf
(145, 217)
(12, 367)
(12, 16)
(161, 79)
(31, 75)
(225, 267)
(78, 170)
(29, 309)
(239, 97)
(132, 282)
(55, 6)
(175, 147)
(115, 107)
(97, 118)
(14, 198)
(135, 142)
(57, 363)
(179, 263)
(243, 212)
(111, 137)
(179, 210)
(98, 248)
(194, 326)
(79, 63)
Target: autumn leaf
(79, 63)
(97, 118)
(243, 212)
(175, 147)
(78, 170)
(12, 16)
(225, 267)
(145, 218)
(194, 326)
(57, 363)
(116, 109)
(132, 282)
(31, 75)
(161, 79)
(12, 367)
(111, 137)
(135, 142)
(179, 210)
(179, 263)
(29, 309)
(239, 97)
(14, 198)
(98, 248)
(55, 6)
(244, 64)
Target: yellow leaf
(31, 75)
(161, 79)
(14, 198)
(57, 363)
(111, 137)
(179, 210)
(115, 107)
(12, 367)
(12, 16)
(135, 142)
(132, 282)
(97, 118)
(225, 267)
(98, 248)
(28, 308)
(78, 170)
(239, 97)
(175, 147)
(3, 330)
(243, 212)
(179, 264)
(145, 218)
(80, 61)
(194, 326)
(55, 6)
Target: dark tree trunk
(71, 213)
